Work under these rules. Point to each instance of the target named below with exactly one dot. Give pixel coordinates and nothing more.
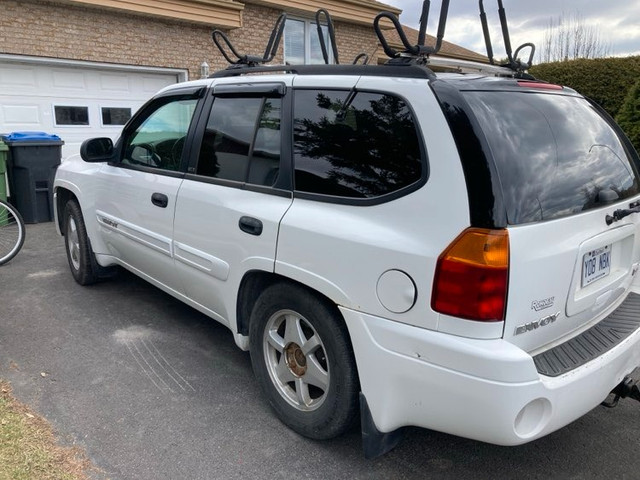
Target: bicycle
(12, 232)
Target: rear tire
(82, 261)
(303, 361)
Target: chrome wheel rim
(296, 360)
(73, 243)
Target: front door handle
(160, 200)
(250, 225)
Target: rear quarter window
(355, 145)
(555, 155)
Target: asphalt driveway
(154, 390)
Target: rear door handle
(250, 225)
(160, 200)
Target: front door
(135, 213)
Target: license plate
(596, 264)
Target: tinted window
(158, 139)
(115, 116)
(556, 156)
(242, 141)
(71, 115)
(359, 147)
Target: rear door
(564, 169)
(236, 192)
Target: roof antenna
(332, 40)
(270, 52)
(514, 63)
(420, 50)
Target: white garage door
(75, 102)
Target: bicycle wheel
(12, 232)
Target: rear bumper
(487, 390)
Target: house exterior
(81, 68)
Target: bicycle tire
(12, 232)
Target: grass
(28, 449)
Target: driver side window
(158, 141)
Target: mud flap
(374, 442)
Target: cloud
(617, 21)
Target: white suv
(455, 252)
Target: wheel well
(252, 286)
(63, 196)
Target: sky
(618, 21)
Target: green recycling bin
(3, 171)
(3, 178)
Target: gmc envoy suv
(458, 252)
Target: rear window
(555, 155)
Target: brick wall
(58, 30)
(354, 39)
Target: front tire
(303, 361)
(82, 262)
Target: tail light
(472, 276)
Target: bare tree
(570, 37)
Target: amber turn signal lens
(472, 276)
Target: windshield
(555, 155)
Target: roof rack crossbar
(221, 41)
(514, 62)
(419, 50)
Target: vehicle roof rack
(415, 71)
(513, 61)
(251, 60)
(332, 39)
(416, 56)
(420, 52)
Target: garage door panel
(20, 115)
(29, 94)
(151, 85)
(115, 83)
(18, 78)
(64, 80)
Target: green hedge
(607, 81)
(629, 115)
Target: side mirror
(97, 150)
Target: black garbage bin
(32, 162)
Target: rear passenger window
(242, 141)
(355, 145)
